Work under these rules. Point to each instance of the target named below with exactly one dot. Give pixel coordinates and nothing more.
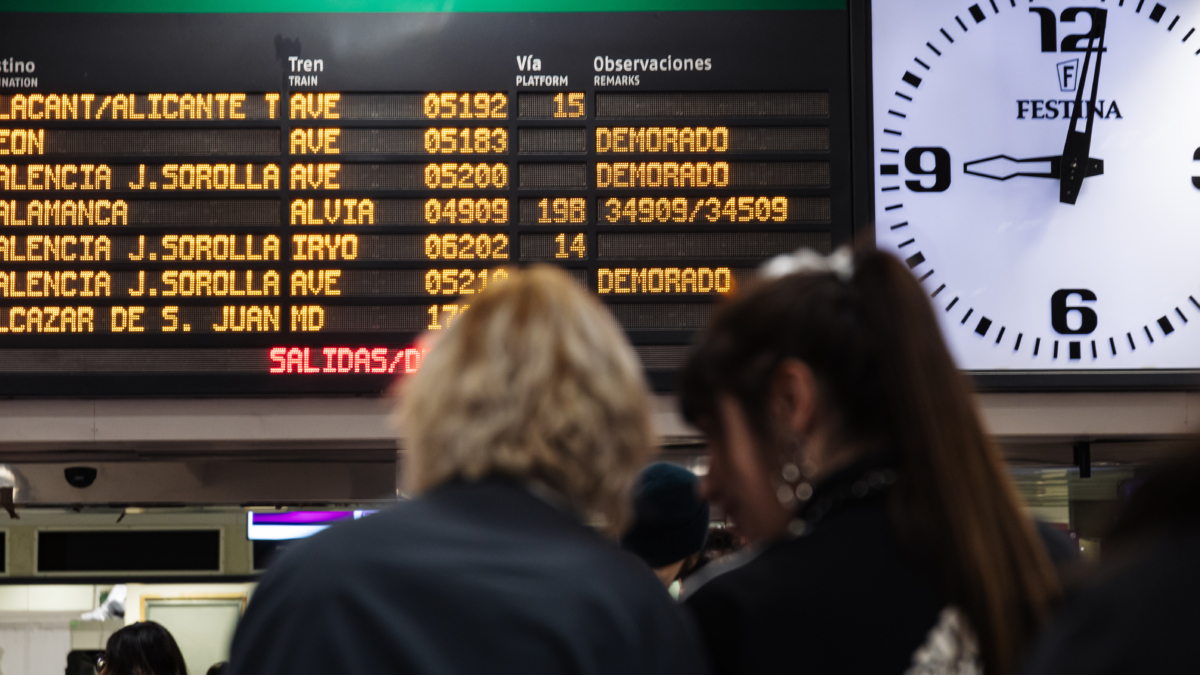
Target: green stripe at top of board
(281, 6)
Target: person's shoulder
(737, 580)
(629, 572)
(596, 564)
(717, 568)
(837, 553)
(340, 545)
(1137, 614)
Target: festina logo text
(1036, 109)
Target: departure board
(275, 203)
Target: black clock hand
(1075, 161)
(1003, 167)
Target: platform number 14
(578, 248)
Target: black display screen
(281, 203)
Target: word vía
(345, 360)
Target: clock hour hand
(1075, 162)
(1003, 167)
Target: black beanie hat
(670, 520)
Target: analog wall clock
(1037, 165)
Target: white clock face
(978, 158)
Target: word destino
(11, 65)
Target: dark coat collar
(866, 479)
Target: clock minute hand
(1075, 162)
(1003, 167)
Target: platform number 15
(568, 105)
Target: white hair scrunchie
(840, 263)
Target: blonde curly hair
(535, 382)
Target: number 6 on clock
(1196, 179)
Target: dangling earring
(795, 475)
(785, 493)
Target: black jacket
(1140, 616)
(468, 579)
(844, 597)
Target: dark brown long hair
(143, 648)
(887, 380)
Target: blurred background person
(527, 418)
(723, 551)
(1136, 612)
(846, 445)
(670, 521)
(143, 648)
(1062, 549)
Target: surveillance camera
(80, 476)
